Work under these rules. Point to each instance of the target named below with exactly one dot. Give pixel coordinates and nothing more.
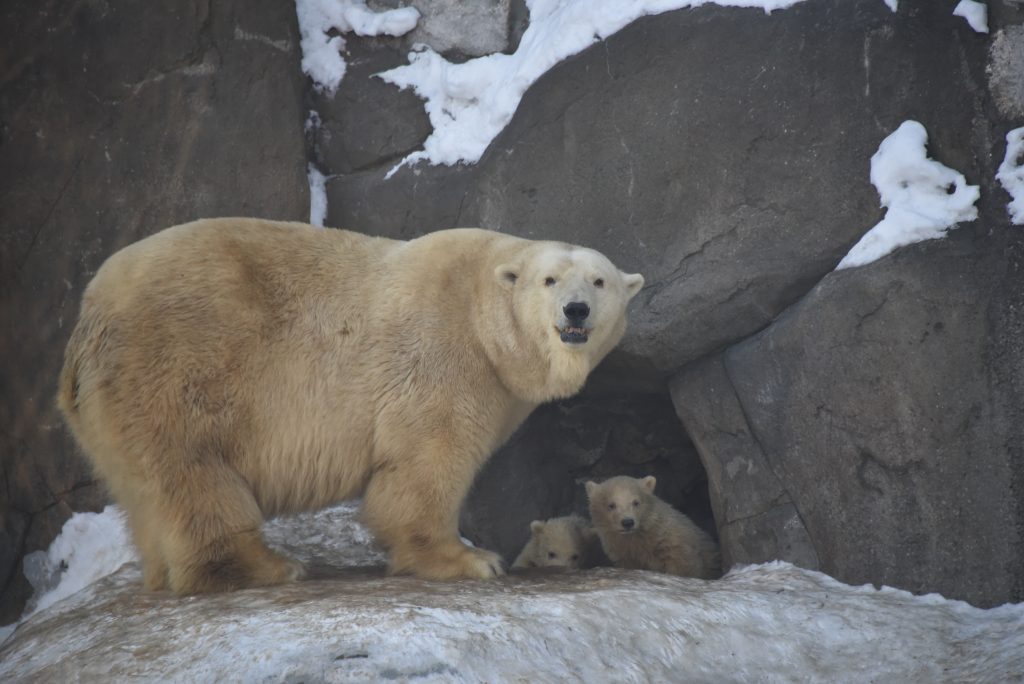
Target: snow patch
(89, 546)
(923, 197)
(891, 4)
(1011, 174)
(976, 14)
(317, 195)
(470, 103)
(321, 52)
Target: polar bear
(565, 542)
(638, 530)
(228, 370)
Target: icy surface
(321, 53)
(351, 623)
(923, 197)
(89, 546)
(976, 14)
(1011, 174)
(470, 103)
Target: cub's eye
(549, 281)
(575, 556)
(599, 282)
(552, 554)
(635, 503)
(611, 507)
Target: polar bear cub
(565, 542)
(638, 530)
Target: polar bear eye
(575, 556)
(599, 282)
(552, 554)
(611, 507)
(549, 281)
(635, 503)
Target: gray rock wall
(118, 119)
(860, 422)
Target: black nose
(628, 523)
(576, 311)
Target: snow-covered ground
(924, 198)
(351, 623)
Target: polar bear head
(560, 542)
(621, 504)
(571, 297)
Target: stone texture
(469, 28)
(755, 516)
(1006, 70)
(118, 119)
(540, 473)
(732, 173)
(888, 406)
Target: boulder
(884, 413)
(118, 119)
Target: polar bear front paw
(450, 561)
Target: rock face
(884, 408)
(735, 175)
(118, 119)
(862, 422)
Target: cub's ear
(507, 274)
(536, 526)
(649, 482)
(633, 281)
(591, 487)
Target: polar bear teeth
(573, 335)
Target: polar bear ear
(591, 487)
(507, 274)
(536, 526)
(649, 482)
(633, 281)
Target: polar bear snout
(574, 331)
(576, 312)
(628, 524)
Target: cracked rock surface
(118, 119)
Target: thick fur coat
(227, 370)
(640, 531)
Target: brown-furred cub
(566, 542)
(640, 531)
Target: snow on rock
(891, 4)
(321, 53)
(976, 14)
(766, 623)
(1011, 174)
(89, 546)
(317, 195)
(923, 197)
(470, 103)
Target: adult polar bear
(230, 369)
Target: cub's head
(573, 297)
(620, 504)
(560, 542)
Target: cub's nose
(576, 312)
(628, 523)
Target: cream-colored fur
(230, 369)
(660, 538)
(565, 542)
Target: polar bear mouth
(574, 335)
